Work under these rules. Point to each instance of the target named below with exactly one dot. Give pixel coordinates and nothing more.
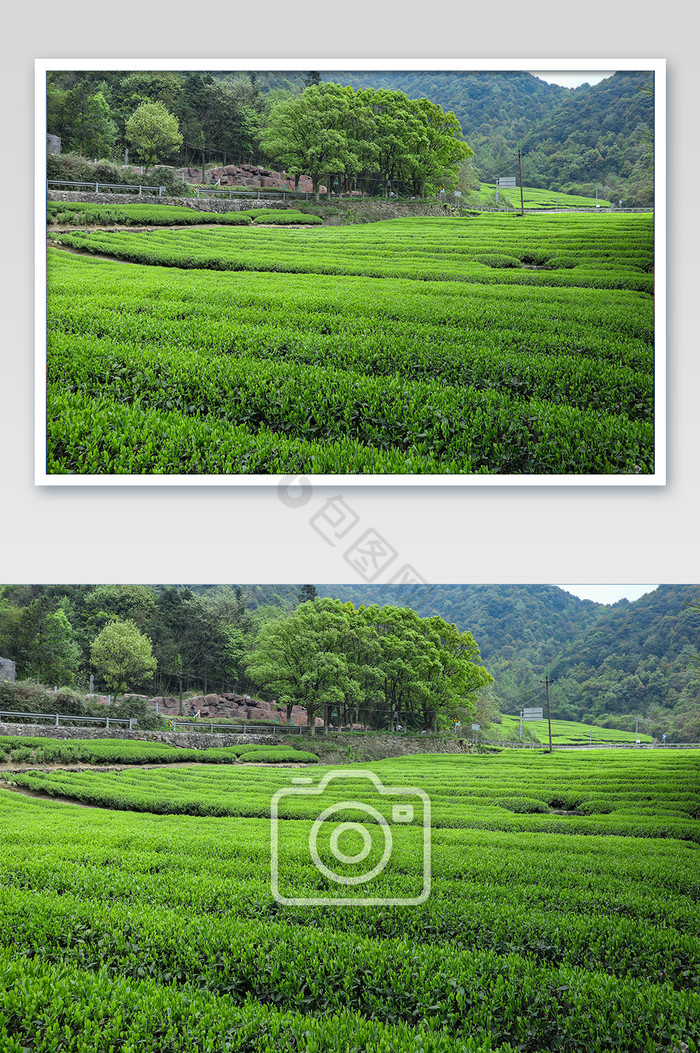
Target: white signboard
(506, 182)
(532, 714)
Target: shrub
(596, 807)
(495, 260)
(561, 261)
(523, 805)
(278, 755)
(564, 800)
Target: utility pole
(546, 682)
(520, 170)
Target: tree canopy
(123, 655)
(154, 131)
(378, 666)
(374, 141)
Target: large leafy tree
(308, 133)
(427, 669)
(82, 117)
(301, 658)
(379, 140)
(122, 655)
(374, 663)
(154, 131)
(40, 639)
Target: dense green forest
(572, 140)
(608, 664)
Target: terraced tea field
(562, 914)
(502, 345)
(571, 733)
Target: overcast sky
(572, 78)
(608, 593)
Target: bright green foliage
(612, 251)
(282, 217)
(276, 755)
(41, 638)
(367, 664)
(372, 139)
(444, 366)
(81, 116)
(154, 131)
(534, 937)
(568, 732)
(495, 260)
(80, 213)
(301, 657)
(38, 750)
(122, 654)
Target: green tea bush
(523, 805)
(596, 807)
(564, 800)
(494, 260)
(299, 358)
(573, 934)
(278, 755)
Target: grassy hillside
(568, 732)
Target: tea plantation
(563, 912)
(502, 345)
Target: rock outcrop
(231, 707)
(247, 177)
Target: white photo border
(655, 66)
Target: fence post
(107, 721)
(57, 720)
(97, 188)
(244, 727)
(211, 729)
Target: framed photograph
(376, 272)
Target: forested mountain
(571, 139)
(607, 664)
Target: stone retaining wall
(337, 208)
(196, 740)
(199, 204)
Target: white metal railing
(594, 745)
(56, 717)
(236, 729)
(97, 187)
(258, 194)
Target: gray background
(200, 534)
